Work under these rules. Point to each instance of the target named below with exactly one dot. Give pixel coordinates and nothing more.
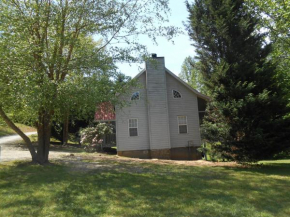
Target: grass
(6, 131)
(71, 140)
(115, 188)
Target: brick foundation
(143, 154)
(174, 154)
(186, 153)
(160, 153)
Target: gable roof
(200, 95)
(139, 74)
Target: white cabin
(162, 120)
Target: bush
(210, 153)
(92, 137)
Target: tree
(58, 56)
(190, 73)
(246, 118)
(275, 19)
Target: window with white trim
(176, 94)
(182, 124)
(135, 96)
(133, 127)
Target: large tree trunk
(44, 132)
(20, 133)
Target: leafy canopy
(61, 54)
(191, 73)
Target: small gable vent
(176, 94)
(135, 96)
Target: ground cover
(100, 185)
(6, 131)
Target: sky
(174, 54)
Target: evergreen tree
(246, 119)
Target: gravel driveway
(12, 150)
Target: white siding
(138, 109)
(157, 105)
(187, 105)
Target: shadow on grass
(153, 190)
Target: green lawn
(116, 188)
(6, 131)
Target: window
(182, 124)
(176, 94)
(133, 127)
(135, 96)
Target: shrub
(92, 137)
(210, 153)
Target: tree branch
(60, 50)
(20, 133)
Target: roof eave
(139, 74)
(200, 95)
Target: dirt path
(12, 149)
(104, 162)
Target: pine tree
(246, 119)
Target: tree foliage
(246, 119)
(191, 73)
(57, 56)
(275, 19)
